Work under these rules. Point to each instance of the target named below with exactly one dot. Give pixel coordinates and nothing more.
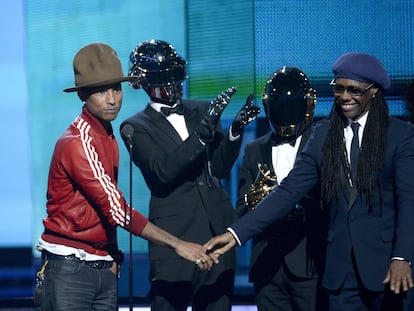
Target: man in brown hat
(79, 248)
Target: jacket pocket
(387, 236)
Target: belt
(96, 264)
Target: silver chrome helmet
(159, 69)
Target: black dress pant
(285, 292)
(177, 296)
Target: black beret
(361, 67)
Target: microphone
(127, 132)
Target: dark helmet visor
(289, 101)
(156, 63)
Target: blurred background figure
(286, 259)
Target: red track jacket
(84, 204)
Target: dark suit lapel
(346, 188)
(305, 137)
(353, 197)
(266, 151)
(350, 193)
(160, 122)
(191, 116)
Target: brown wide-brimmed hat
(95, 65)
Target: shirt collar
(362, 121)
(157, 106)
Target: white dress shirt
(348, 134)
(176, 120)
(283, 158)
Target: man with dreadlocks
(370, 242)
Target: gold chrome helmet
(289, 102)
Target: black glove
(247, 114)
(217, 106)
(208, 125)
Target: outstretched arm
(188, 250)
(220, 244)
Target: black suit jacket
(374, 236)
(296, 244)
(186, 197)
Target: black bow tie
(166, 111)
(278, 140)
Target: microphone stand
(127, 133)
(131, 272)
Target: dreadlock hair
(371, 157)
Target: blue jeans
(76, 286)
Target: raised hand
(218, 105)
(208, 124)
(220, 244)
(246, 114)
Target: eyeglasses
(351, 90)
